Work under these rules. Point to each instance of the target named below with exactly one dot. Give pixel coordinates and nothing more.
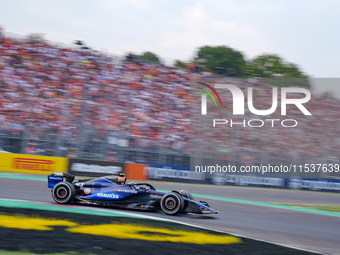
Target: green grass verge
(327, 208)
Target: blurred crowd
(49, 92)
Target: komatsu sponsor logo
(107, 195)
(126, 191)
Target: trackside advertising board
(247, 180)
(94, 168)
(296, 183)
(173, 173)
(21, 163)
(182, 174)
(315, 184)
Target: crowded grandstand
(59, 100)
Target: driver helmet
(121, 178)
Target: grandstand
(65, 101)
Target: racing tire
(186, 194)
(63, 192)
(172, 203)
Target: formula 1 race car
(113, 191)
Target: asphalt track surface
(299, 229)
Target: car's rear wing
(56, 177)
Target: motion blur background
(74, 97)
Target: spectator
(32, 149)
(70, 97)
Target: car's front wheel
(186, 194)
(172, 203)
(63, 192)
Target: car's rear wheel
(172, 203)
(63, 192)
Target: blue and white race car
(113, 191)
